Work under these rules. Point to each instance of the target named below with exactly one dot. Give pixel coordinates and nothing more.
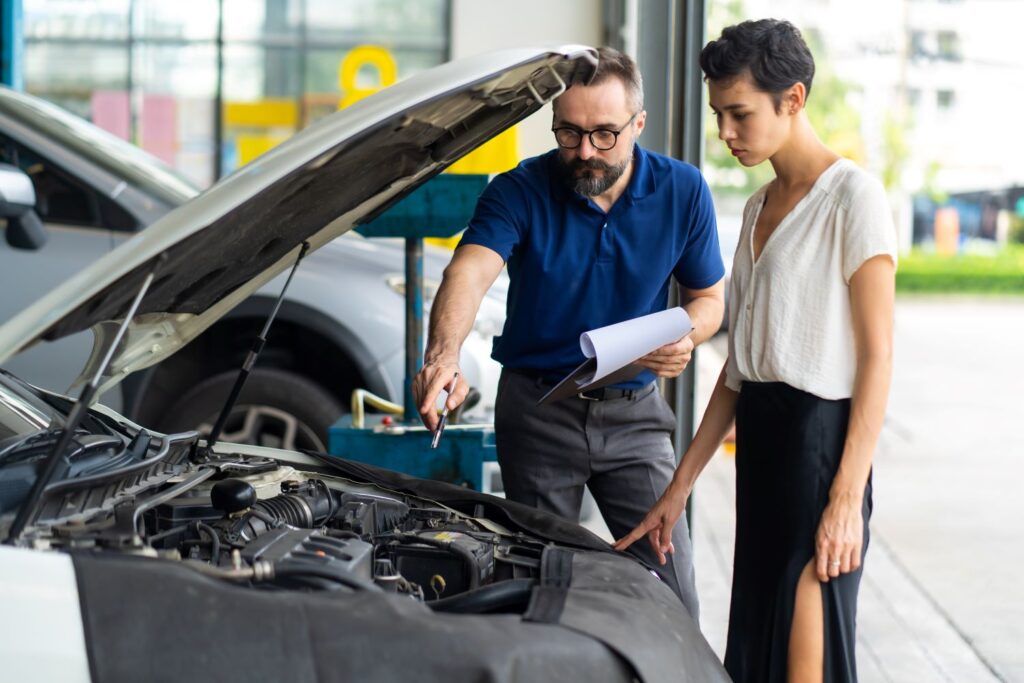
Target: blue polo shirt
(572, 267)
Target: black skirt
(788, 447)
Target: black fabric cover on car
(612, 597)
(157, 620)
(151, 620)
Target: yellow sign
(371, 56)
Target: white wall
(485, 25)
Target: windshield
(120, 158)
(21, 413)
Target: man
(592, 233)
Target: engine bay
(269, 525)
(283, 528)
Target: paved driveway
(943, 591)
(950, 474)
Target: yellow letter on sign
(356, 59)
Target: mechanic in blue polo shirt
(592, 233)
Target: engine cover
(287, 547)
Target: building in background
(936, 83)
(156, 72)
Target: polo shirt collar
(641, 183)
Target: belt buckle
(582, 395)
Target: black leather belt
(604, 394)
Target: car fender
(44, 639)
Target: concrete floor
(942, 597)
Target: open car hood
(214, 251)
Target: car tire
(276, 408)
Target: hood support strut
(75, 417)
(254, 353)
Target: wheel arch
(303, 340)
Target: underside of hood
(213, 252)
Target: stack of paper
(611, 351)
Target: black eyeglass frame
(580, 132)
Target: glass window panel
(175, 111)
(323, 67)
(180, 19)
(68, 74)
(273, 21)
(262, 99)
(253, 72)
(397, 23)
(93, 19)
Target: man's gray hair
(614, 64)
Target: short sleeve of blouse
(868, 228)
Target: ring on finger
(834, 563)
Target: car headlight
(490, 319)
(397, 285)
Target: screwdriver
(444, 415)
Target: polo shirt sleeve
(495, 223)
(700, 264)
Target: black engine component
(292, 551)
(512, 595)
(370, 515)
(232, 495)
(459, 560)
(305, 505)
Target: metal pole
(670, 36)
(413, 321)
(218, 99)
(12, 44)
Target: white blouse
(789, 313)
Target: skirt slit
(788, 447)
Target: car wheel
(276, 408)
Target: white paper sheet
(618, 345)
(612, 350)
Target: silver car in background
(341, 326)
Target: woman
(807, 377)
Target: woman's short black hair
(772, 50)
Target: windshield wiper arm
(250, 360)
(75, 417)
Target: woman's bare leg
(807, 634)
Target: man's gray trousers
(619, 448)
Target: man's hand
(428, 384)
(671, 359)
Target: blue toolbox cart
(466, 454)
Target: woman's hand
(840, 537)
(658, 523)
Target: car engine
(265, 524)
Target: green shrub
(970, 273)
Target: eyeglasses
(602, 139)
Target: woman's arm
(841, 530)
(715, 425)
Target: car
(132, 554)
(340, 327)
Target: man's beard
(587, 183)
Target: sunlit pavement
(942, 597)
